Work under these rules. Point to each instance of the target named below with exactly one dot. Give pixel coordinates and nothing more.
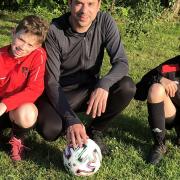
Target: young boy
(22, 66)
(161, 88)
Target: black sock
(5, 123)
(157, 121)
(177, 123)
(19, 132)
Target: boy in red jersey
(22, 66)
(160, 87)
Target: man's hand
(76, 135)
(97, 102)
(170, 86)
(2, 108)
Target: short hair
(34, 25)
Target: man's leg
(160, 108)
(120, 95)
(22, 119)
(49, 123)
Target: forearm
(58, 99)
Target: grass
(128, 136)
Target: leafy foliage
(136, 13)
(143, 13)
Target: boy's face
(23, 44)
(83, 12)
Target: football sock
(19, 132)
(157, 121)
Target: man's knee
(50, 130)
(49, 134)
(126, 87)
(25, 116)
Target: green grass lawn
(128, 136)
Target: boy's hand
(3, 108)
(76, 135)
(97, 103)
(170, 86)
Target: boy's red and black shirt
(169, 69)
(21, 79)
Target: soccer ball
(83, 161)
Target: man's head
(83, 12)
(28, 36)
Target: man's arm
(52, 78)
(116, 52)
(76, 132)
(119, 69)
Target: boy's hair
(34, 25)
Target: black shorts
(5, 122)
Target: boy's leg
(160, 107)
(4, 123)
(176, 125)
(22, 119)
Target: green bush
(44, 12)
(138, 17)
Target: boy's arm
(169, 86)
(34, 86)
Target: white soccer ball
(83, 161)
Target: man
(75, 47)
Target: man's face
(23, 44)
(83, 12)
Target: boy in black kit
(160, 87)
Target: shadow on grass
(131, 131)
(42, 153)
(45, 154)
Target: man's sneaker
(157, 153)
(97, 136)
(17, 149)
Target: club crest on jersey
(25, 71)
